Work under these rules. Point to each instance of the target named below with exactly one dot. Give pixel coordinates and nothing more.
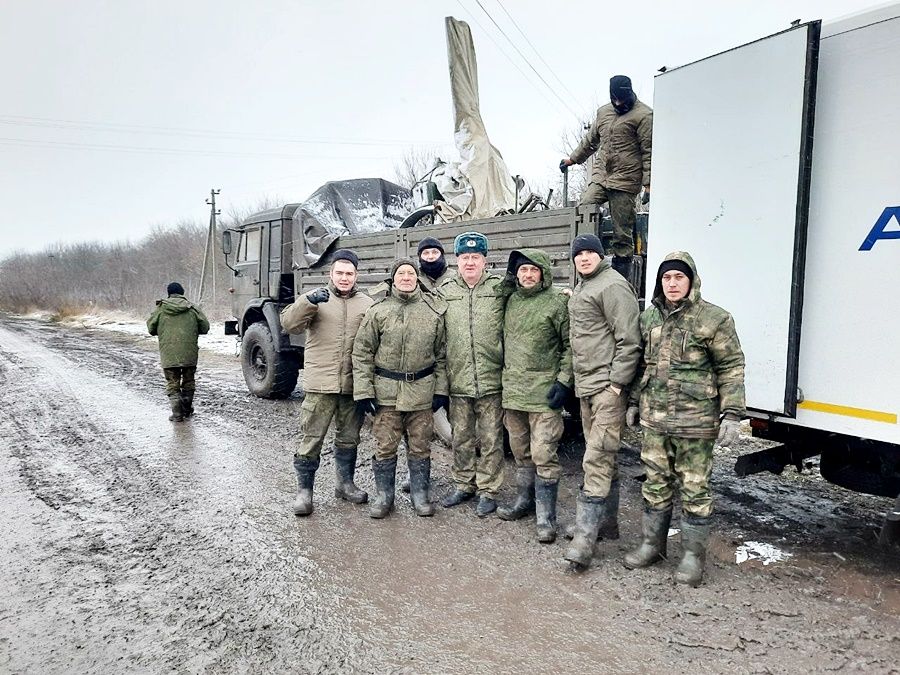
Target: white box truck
(777, 166)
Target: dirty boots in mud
(187, 403)
(524, 503)
(655, 527)
(590, 512)
(694, 538)
(609, 525)
(545, 492)
(306, 476)
(385, 471)
(419, 484)
(344, 469)
(177, 411)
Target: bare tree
(413, 165)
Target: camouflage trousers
(602, 418)
(316, 414)
(180, 379)
(672, 462)
(477, 430)
(534, 439)
(390, 425)
(621, 211)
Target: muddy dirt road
(132, 544)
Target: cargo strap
(404, 377)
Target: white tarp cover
(493, 188)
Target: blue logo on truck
(877, 232)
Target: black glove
(440, 401)
(366, 405)
(318, 295)
(563, 167)
(558, 395)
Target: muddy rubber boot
(306, 475)
(187, 403)
(456, 498)
(385, 471)
(524, 503)
(545, 492)
(589, 513)
(655, 526)
(177, 411)
(486, 506)
(609, 526)
(419, 484)
(694, 538)
(344, 469)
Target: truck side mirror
(226, 242)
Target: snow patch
(757, 550)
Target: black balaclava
(437, 267)
(620, 90)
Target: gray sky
(117, 116)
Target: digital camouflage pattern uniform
(474, 324)
(178, 322)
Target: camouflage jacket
(432, 285)
(404, 332)
(330, 328)
(474, 324)
(606, 340)
(177, 322)
(536, 335)
(623, 144)
(693, 366)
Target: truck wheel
(268, 373)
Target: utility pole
(209, 254)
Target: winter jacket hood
(659, 298)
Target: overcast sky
(117, 116)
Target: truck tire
(268, 373)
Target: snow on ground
(757, 550)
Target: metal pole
(208, 252)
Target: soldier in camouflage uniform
(432, 264)
(400, 376)
(178, 322)
(474, 324)
(537, 381)
(691, 388)
(330, 317)
(606, 348)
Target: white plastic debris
(757, 550)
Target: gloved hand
(645, 195)
(564, 164)
(558, 395)
(366, 405)
(632, 416)
(729, 432)
(318, 295)
(440, 401)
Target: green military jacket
(432, 285)
(606, 340)
(623, 144)
(474, 324)
(536, 337)
(330, 329)
(693, 367)
(404, 332)
(177, 322)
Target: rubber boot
(589, 513)
(524, 503)
(622, 265)
(187, 403)
(306, 475)
(177, 411)
(456, 498)
(344, 468)
(609, 526)
(694, 538)
(545, 492)
(385, 471)
(419, 483)
(486, 506)
(655, 526)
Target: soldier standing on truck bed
(691, 389)
(606, 349)
(474, 321)
(432, 263)
(621, 135)
(400, 376)
(330, 317)
(178, 322)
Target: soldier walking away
(400, 376)
(474, 324)
(537, 381)
(432, 264)
(178, 322)
(691, 391)
(330, 316)
(621, 135)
